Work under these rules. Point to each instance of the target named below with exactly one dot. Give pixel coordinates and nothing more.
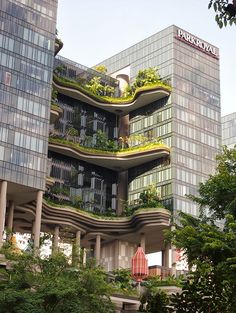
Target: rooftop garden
(146, 80)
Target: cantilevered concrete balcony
(58, 46)
(142, 97)
(55, 113)
(145, 221)
(117, 161)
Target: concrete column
(84, 256)
(77, 247)
(56, 239)
(124, 126)
(98, 249)
(38, 219)
(77, 239)
(173, 256)
(33, 230)
(166, 257)
(142, 241)
(10, 220)
(122, 190)
(116, 254)
(3, 205)
(10, 216)
(173, 260)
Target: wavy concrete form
(55, 113)
(115, 161)
(141, 98)
(88, 224)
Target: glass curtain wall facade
(27, 37)
(189, 121)
(229, 130)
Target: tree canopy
(52, 285)
(225, 11)
(218, 193)
(210, 249)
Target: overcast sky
(93, 30)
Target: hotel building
(56, 150)
(229, 130)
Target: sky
(93, 30)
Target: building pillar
(10, 219)
(122, 191)
(10, 215)
(84, 256)
(124, 126)
(116, 254)
(173, 260)
(55, 245)
(142, 241)
(173, 256)
(165, 257)
(33, 230)
(76, 248)
(37, 227)
(3, 205)
(77, 242)
(98, 249)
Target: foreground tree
(47, 286)
(218, 193)
(225, 11)
(211, 250)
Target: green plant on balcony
(101, 68)
(60, 191)
(149, 197)
(88, 146)
(60, 70)
(146, 77)
(54, 96)
(97, 88)
(77, 201)
(71, 131)
(103, 143)
(146, 80)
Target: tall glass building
(189, 122)
(229, 130)
(101, 150)
(27, 40)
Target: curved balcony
(116, 161)
(58, 46)
(55, 113)
(143, 96)
(149, 221)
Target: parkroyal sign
(195, 42)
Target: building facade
(229, 130)
(189, 122)
(97, 149)
(27, 37)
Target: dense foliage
(225, 11)
(52, 285)
(210, 249)
(145, 77)
(218, 193)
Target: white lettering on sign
(196, 42)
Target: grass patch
(117, 152)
